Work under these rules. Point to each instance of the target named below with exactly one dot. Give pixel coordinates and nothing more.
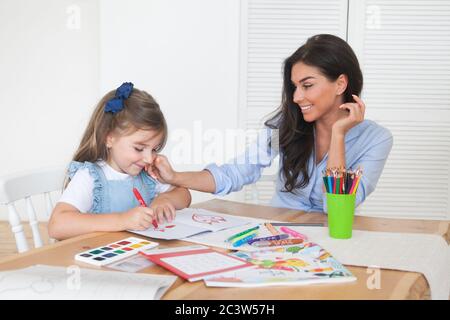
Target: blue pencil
(244, 240)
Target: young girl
(125, 132)
(320, 124)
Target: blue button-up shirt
(367, 145)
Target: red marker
(143, 204)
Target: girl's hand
(161, 170)
(355, 116)
(164, 210)
(139, 218)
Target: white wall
(49, 79)
(58, 57)
(184, 53)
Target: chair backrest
(23, 185)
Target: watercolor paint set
(115, 251)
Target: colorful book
(191, 221)
(196, 262)
(303, 264)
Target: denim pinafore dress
(115, 195)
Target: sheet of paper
(60, 283)
(191, 221)
(210, 220)
(202, 263)
(428, 254)
(218, 239)
(132, 264)
(169, 231)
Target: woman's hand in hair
(354, 117)
(161, 170)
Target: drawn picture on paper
(208, 219)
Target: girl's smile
(131, 153)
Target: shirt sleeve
(372, 163)
(246, 168)
(79, 191)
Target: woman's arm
(196, 180)
(223, 179)
(336, 153)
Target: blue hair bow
(123, 92)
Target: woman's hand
(164, 210)
(161, 170)
(139, 218)
(355, 116)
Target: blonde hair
(140, 111)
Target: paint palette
(115, 251)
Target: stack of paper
(60, 283)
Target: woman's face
(316, 96)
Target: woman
(320, 124)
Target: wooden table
(394, 284)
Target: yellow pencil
(356, 185)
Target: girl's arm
(180, 198)
(165, 204)
(67, 221)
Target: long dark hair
(333, 57)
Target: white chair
(21, 186)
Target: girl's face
(316, 96)
(131, 153)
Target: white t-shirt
(79, 193)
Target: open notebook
(43, 282)
(191, 221)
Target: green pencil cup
(341, 210)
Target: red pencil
(143, 204)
